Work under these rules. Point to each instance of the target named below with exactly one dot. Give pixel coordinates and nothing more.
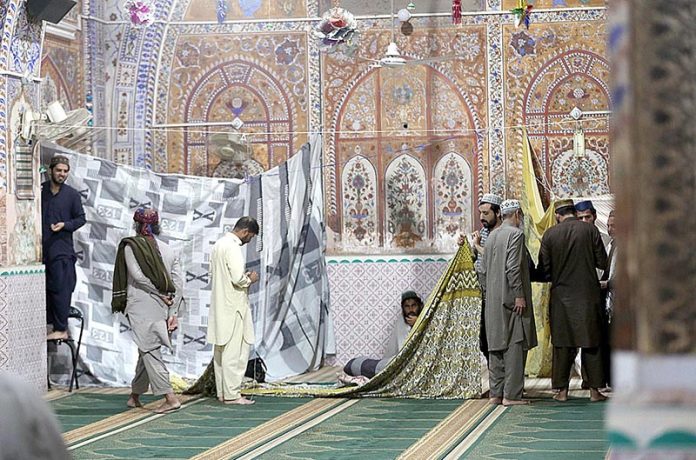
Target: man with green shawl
(148, 289)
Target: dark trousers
(606, 348)
(483, 339)
(60, 284)
(592, 366)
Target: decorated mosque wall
(550, 70)
(22, 311)
(62, 72)
(408, 151)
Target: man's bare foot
(167, 407)
(515, 402)
(562, 395)
(495, 400)
(57, 335)
(134, 401)
(242, 401)
(596, 396)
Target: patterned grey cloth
(290, 304)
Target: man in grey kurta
(510, 327)
(489, 213)
(152, 314)
(570, 254)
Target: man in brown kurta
(510, 324)
(570, 254)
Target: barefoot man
(148, 289)
(570, 254)
(230, 328)
(510, 328)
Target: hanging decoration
(579, 141)
(140, 12)
(337, 27)
(457, 11)
(522, 13)
(221, 11)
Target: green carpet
(371, 429)
(82, 409)
(546, 429)
(187, 432)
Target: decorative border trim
(382, 259)
(19, 271)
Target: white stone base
(23, 323)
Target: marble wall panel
(366, 297)
(23, 323)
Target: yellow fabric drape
(538, 221)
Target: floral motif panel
(575, 175)
(213, 10)
(261, 79)
(405, 195)
(25, 47)
(360, 110)
(403, 100)
(61, 70)
(360, 219)
(453, 198)
(405, 121)
(549, 70)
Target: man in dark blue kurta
(61, 214)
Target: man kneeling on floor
(510, 324)
(360, 369)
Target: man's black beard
(488, 225)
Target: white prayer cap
(509, 205)
(490, 198)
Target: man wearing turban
(148, 290)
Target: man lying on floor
(361, 369)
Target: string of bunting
(522, 13)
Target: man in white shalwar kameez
(230, 326)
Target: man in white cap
(489, 213)
(510, 327)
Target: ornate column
(653, 46)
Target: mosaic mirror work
(510, 4)
(212, 10)
(260, 79)
(404, 153)
(62, 73)
(551, 69)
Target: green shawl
(150, 262)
